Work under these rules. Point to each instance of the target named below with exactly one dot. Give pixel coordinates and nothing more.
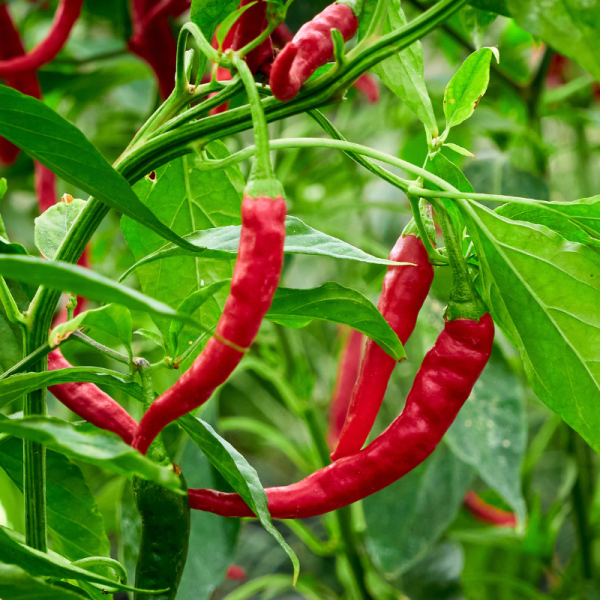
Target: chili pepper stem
(426, 236)
(464, 302)
(262, 181)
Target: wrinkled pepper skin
(255, 279)
(403, 293)
(165, 538)
(311, 48)
(89, 402)
(441, 387)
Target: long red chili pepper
(254, 282)
(66, 15)
(347, 375)
(90, 403)
(365, 84)
(403, 292)
(311, 48)
(488, 514)
(442, 385)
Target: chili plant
(243, 218)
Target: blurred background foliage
(534, 134)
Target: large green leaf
(406, 519)
(190, 200)
(222, 243)
(84, 282)
(403, 73)
(238, 473)
(337, 304)
(207, 14)
(530, 277)
(96, 447)
(576, 221)
(15, 583)
(571, 27)
(490, 431)
(15, 386)
(74, 521)
(61, 147)
(39, 564)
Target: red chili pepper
(365, 84)
(235, 573)
(488, 514)
(442, 385)
(90, 403)
(368, 86)
(254, 282)
(311, 48)
(66, 15)
(403, 292)
(347, 375)
(26, 82)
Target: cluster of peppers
(442, 385)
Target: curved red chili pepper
(90, 403)
(347, 375)
(403, 293)
(488, 514)
(255, 279)
(66, 15)
(311, 48)
(442, 385)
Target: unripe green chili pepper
(165, 519)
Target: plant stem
(88, 341)
(434, 256)
(34, 465)
(38, 354)
(13, 314)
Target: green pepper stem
(464, 302)
(434, 256)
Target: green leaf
(95, 447)
(153, 336)
(61, 147)
(222, 244)
(229, 22)
(490, 431)
(530, 276)
(403, 73)
(571, 28)
(84, 282)
(207, 14)
(336, 304)
(476, 21)
(575, 221)
(112, 319)
(205, 569)
(190, 305)
(15, 583)
(74, 521)
(14, 552)
(52, 226)
(406, 519)
(466, 88)
(15, 386)
(238, 473)
(459, 149)
(190, 200)
(497, 6)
